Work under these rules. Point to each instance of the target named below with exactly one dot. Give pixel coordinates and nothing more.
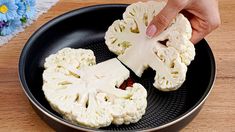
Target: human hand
(202, 14)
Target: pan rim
(33, 100)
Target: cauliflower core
(168, 53)
(88, 94)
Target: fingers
(201, 28)
(204, 23)
(204, 19)
(196, 37)
(161, 21)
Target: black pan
(85, 28)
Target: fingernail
(151, 30)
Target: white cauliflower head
(88, 94)
(168, 53)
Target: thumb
(161, 21)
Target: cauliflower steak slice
(168, 54)
(88, 94)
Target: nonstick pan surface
(85, 28)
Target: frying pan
(85, 28)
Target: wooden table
(218, 113)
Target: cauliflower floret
(88, 94)
(168, 54)
(61, 59)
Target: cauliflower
(168, 54)
(88, 94)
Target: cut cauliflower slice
(88, 94)
(168, 54)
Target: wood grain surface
(218, 113)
